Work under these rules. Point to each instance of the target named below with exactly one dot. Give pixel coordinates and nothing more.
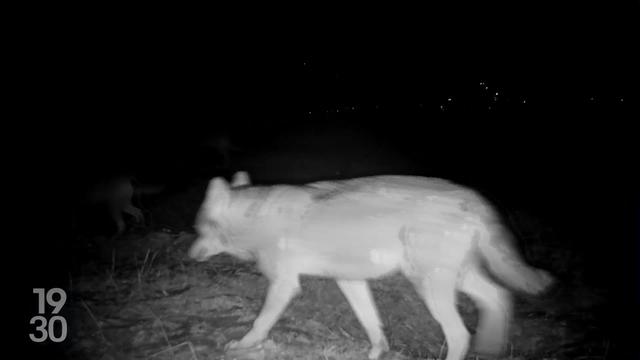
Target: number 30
(47, 332)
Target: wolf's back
(495, 242)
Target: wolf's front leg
(281, 290)
(359, 297)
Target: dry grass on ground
(142, 298)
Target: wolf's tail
(496, 245)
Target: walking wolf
(438, 234)
(110, 198)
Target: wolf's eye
(207, 227)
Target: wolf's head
(212, 239)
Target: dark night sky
(174, 78)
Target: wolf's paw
(235, 350)
(235, 345)
(378, 349)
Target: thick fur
(438, 234)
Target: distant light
(449, 99)
(621, 99)
(497, 93)
(486, 88)
(524, 101)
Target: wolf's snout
(198, 252)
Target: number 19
(56, 304)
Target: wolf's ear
(240, 178)
(218, 191)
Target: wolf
(112, 198)
(442, 236)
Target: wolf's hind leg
(359, 297)
(438, 290)
(280, 292)
(494, 305)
